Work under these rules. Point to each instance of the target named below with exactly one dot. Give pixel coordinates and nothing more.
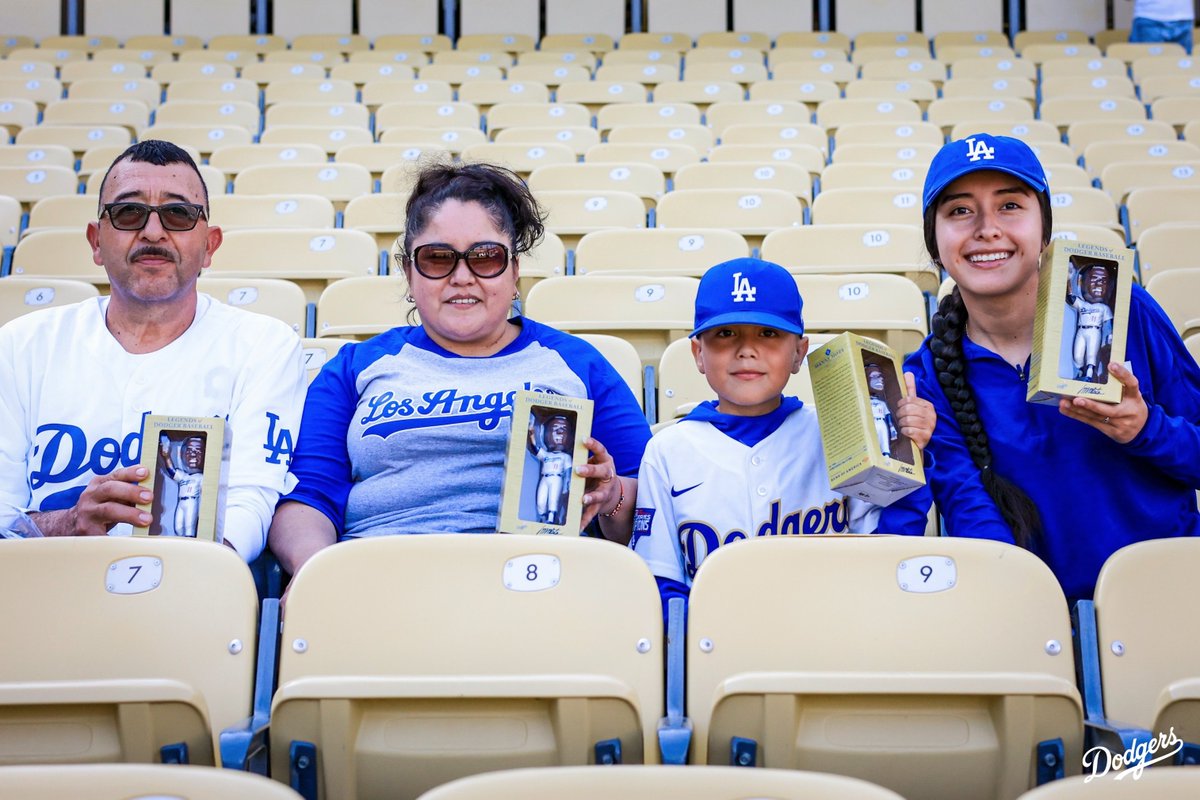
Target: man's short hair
(160, 154)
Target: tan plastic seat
(233, 158)
(597, 93)
(274, 297)
(920, 90)
(171, 71)
(485, 94)
(1160, 784)
(28, 184)
(649, 312)
(309, 90)
(70, 211)
(656, 113)
(1062, 111)
(1177, 291)
(624, 359)
(452, 139)
(810, 93)
(571, 213)
(327, 137)
(853, 248)
(681, 386)
(644, 180)
(992, 68)
(546, 115)
(914, 155)
(1023, 88)
(752, 213)
(1154, 205)
(777, 134)
(1040, 52)
(204, 140)
(872, 206)
(310, 257)
(132, 114)
(578, 139)
(338, 182)
(665, 157)
(832, 113)
(405, 90)
(658, 251)
(117, 89)
(881, 132)
(447, 706)
(1148, 666)
(520, 158)
(1122, 177)
(363, 306)
(1056, 69)
(316, 352)
(380, 214)
(1163, 248)
(18, 114)
(1088, 206)
(552, 75)
(653, 782)
(19, 296)
(921, 665)
(426, 115)
(1087, 86)
(743, 73)
(883, 306)
(747, 176)
(211, 113)
(99, 692)
(399, 66)
(212, 90)
(866, 175)
(234, 211)
(121, 781)
(38, 90)
(1178, 110)
(698, 137)
(1082, 134)
(979, 111)
(699, 93)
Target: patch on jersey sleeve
(642, 518)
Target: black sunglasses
(435, 260)
(134, 216)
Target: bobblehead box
(857, 383)
(542, 494)
(1081, 321)
(187, 465)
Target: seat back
(319, 350)
(1154, 205)
(1161, 784)
(57, 253)
(945, 665)
(853, 247)
(753, 213)
(309, 256)
(122, 781)
(1166, 247)
(363, 306)
(886, 307)
(655, 782)
(624, 359)
(395, 706)
(874, 206)
(106, 686)
(338, 182)
(658, 251)
(20, 296)
(1150, 661)
(274, 297)
(647, 311)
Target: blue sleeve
(618, 422)
(908, 516)
(321, 463)
(953, 479)
(667, 589)
(1169, 381)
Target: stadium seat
(994, 68)
(658, 251)
(751, 212)
(233, 158)
(519, 157)
(811, 92)
(526, 114)
(571, 213)
(99, 692)
(485, 94)
(280, 299)
(338, 182)
(853, 247)
(380, 214)
(1163, 248)
(376, 93)
(1140, 670)
(748, 176)
(311, 257)
(1102, 69)
(699, 137)
(832, 113)
(1178, 292)
(886, 307)
(598, 93)
(578, 138)
(71, 211)
(1160, 784)
(1154, 205)
(20, 296)
(993, 87)
(699, 93)
(980, 112)
(451, 139)
(406, 708)
(1122, 177)
(207, 70)
(665, 157)
(1177, 110)
(647, 311)
(654, 782)
(881, 691)
(624, 359)
(1082, 134)
(39, 90)
(319, 350)
(777, 134)
(234, 211)
(900, 206)
(57, 253)
(656, 113)
(363, 306)
(644, 180)
(121, 781)
(1095, 234)
(916, 155)
(1062, 111)
(851, 175)
(11, 215)
(1086, 206)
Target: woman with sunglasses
(406, 432)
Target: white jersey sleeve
(654, 527)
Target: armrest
(675, 729)
(244, 745)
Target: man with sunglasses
(77, 381)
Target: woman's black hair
(949, 324)
(500, 191)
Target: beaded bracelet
(620, 503)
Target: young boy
(751, 462)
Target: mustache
(151, 250)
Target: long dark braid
(949, 324)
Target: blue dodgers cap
(748, 291)
(979, 152)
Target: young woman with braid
(1072, 483)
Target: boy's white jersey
(699, 489)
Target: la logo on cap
(979, 150)
(742, 290)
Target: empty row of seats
(405, 662)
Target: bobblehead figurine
(1088, 293)
(555, 457)
(885, 428)
(188, 474)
